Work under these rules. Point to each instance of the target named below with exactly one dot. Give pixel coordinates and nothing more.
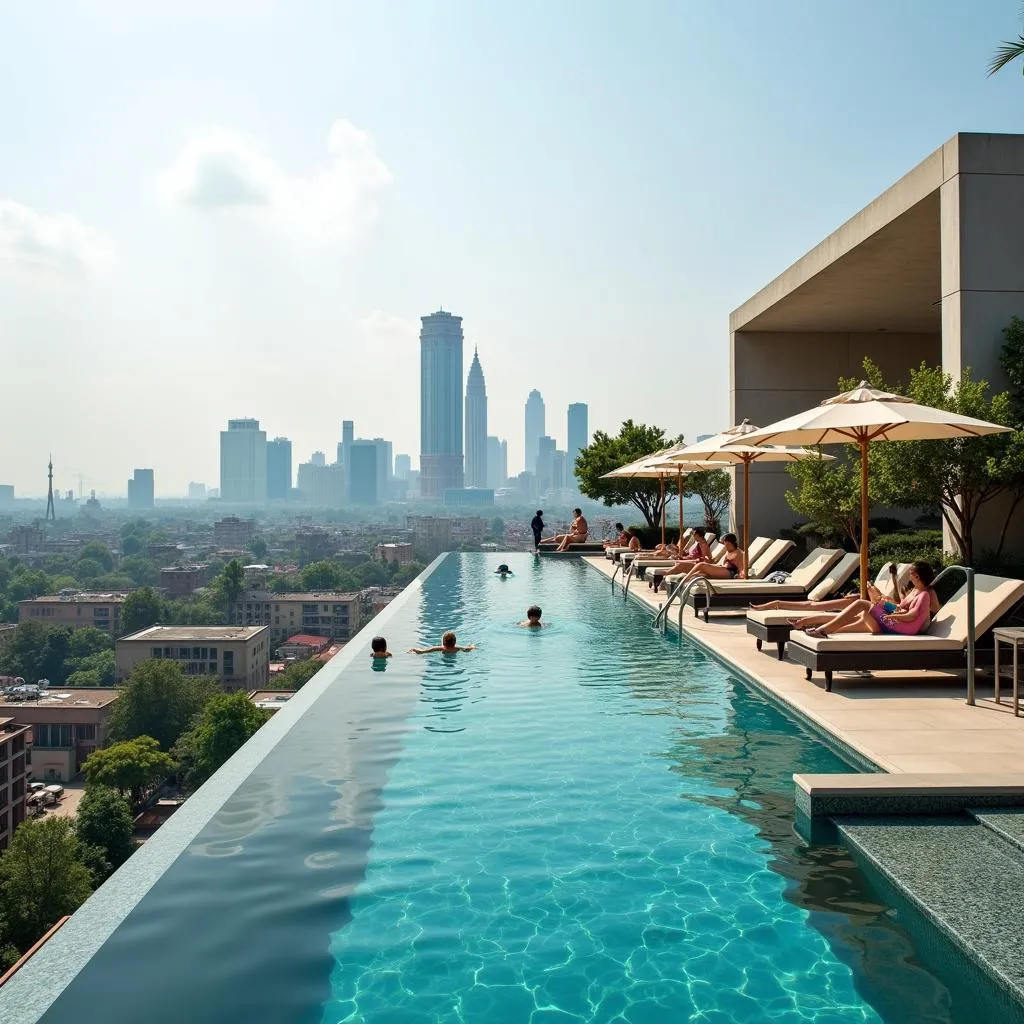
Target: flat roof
(310, 597)
(189, 633)
(85, 598)
(63, 696)
(308, 640)
(271, 696)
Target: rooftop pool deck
(589, 823)
(907, 722)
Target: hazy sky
(223, 209)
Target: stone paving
(901, 721)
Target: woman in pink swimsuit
(911, 616)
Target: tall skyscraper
(577, 435)
(559, 470)
(348, 433)
(497, 463)
(440, 403)
(545, 462)
(318, 459)
(476, 425)
(403, 466)
(243, 463)
(279, 469)
(364, 472)
(535, 429)
(140, 489)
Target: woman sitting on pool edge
(449, 645)
(910, 617)
(732, 567)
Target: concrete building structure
(330, 614)
(233, 533)
(441, 436)
(930, 271)
(476, 425)
(271, 700)
(364, 473)
(403, 466)
(140, 489)
(322, 486)
(67, 726)
(302, 646)
(14, 775)
(196, 491)
(397, 553)
(431, 535)
(577, 434)
(497, 463)
(468, 497)
(6, 495)
(536, 418)
(238, 656)
(183, 580)
(279, 469)
(76, 611)
(546, 447)
(243, 463)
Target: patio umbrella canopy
(732, 447)
(862, 416)
(659, 466)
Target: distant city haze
(228, 212)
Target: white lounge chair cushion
(772, 618)
(814, 566)
(769, 558)
(874, 642)
(837, 576)
(759, 588)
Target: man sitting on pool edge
(449, 645)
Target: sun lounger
(659, 565)
(774, 626)
(731, 594)
(942, 646)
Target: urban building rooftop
(192, 633)
(63, 697)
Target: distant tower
(476, 425)
(441, 435)
(535, 429)
(578, 435)
(51, 512)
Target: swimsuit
(918, 602)
(734, 569)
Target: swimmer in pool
(532, 621)
(449, 645)
(503, 570)
(379, 648)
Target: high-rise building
(364, 472)
(440, 404)
(535, 429)
(140, 489)
(318, 459)
(243, 463)
(577, 435)
(545, 462)
(403, 467)
(196, 491)
(559, 470)
(279, 469)
(321, 486)
(497, 463)
(476, 425)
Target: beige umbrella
(660, 466)
(864, 415)
(731, 447)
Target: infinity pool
(589, 823)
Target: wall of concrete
(774, 375)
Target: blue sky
(222, 209)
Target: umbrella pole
(679, 487)
(746, 515)
(863, 517)
(661, 481)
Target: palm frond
(1006, 53)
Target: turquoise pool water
(590, 823)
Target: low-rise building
(103, 611)
(399, 553)
(67, 725)
(239, 656)
(327, 614)
(302, 646)
(184, 580)
(233, 532)
(271, 700)
(13, 776)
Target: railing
(681, 590)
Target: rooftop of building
(308, 640)
(9, 725)
(63, 696)
(310, 596)
(271, 698)
(82, 598)
(189, 633)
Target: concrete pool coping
(896, 721)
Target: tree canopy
(227, 721)
(104, 820)
(159, 700)
(714, 489)
(605, 453)
(131, 767)
(827, 495)
(297, 674)
(141, 609)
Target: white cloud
(51, 241)
(221, 170)
(383, 326)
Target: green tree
(141, 610)
(232, 584)
(287, 583)
(131, 544)
(94, 670)
(227, 721)
(36, 652)
(131, 767)
(713, 488)
(1006, 54)
(370, 574)
(104, 821)
(98, 552)
(605, 453)
(43, 877)
(159, 700)
(88, 641)
(827, 495)
(407, 573)
(27, 583)
(87, 569)
(322, 575)
(258, 546)
(958, 476)
(297, 674)
(141, 571)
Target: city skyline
(268, 235)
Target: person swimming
(532, 621)
(379, 648)
(449, 645)
(503, 570)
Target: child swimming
(503, 570)
(449, 645)
(533, 614)
(379, 648)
